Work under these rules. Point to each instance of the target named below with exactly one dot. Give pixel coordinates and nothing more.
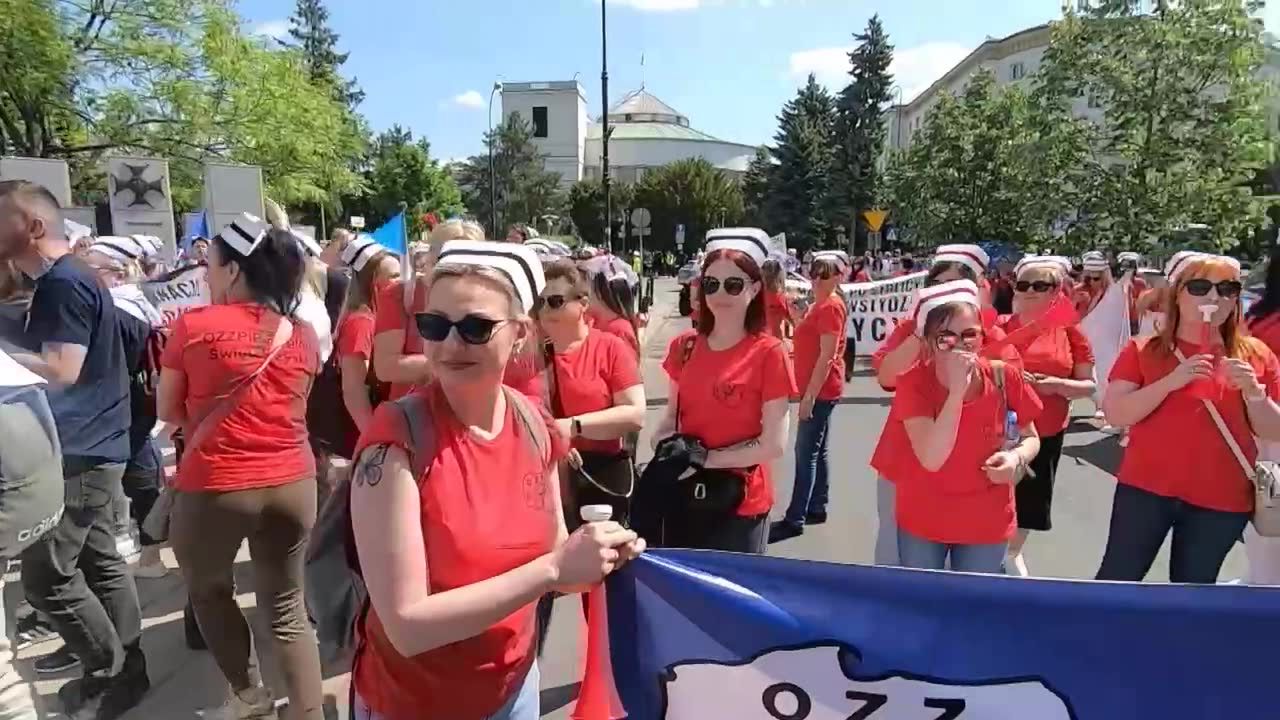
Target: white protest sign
(876, 308)
(178, 292)
(809, 684)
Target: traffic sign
(357, 222)
(875, 219)
(641, 231)
(640, 218)
(891, 235)
(680, 236)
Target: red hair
(1235, 338)
(754, 321)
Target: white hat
(840, 257)
(306, 242)
(150, 244)
(244, 234)
(360, 251)
(1129, 256)
(930, 298)
(1095, 261)
(972, 256)
(75, 232)
(1180, 261)
(122, 249)
(753, 242)
(518, 262)
(1059, 266)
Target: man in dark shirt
(75, 575)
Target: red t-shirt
(1177, 451)
(588, 376)
(722, 396)
(861, 277)
(1267, 329)
(775, 312)
(487, 509)
(827, 317)
(1137, 286)
(522, 371)
(1055, 353)
(958, 504)
(621, 328)
(263, 441)
(355, 334)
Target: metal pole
(323, 234)
(604, 134)
(493, 180)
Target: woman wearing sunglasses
(900, 352)
(1179, 475)
(730, 387)
(819, 364)
(236, 377)
(971, 435)
(593, 379)
(1057, 364)
(1095, 279)
(456, 554)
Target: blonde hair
(130, 270)
(1236, 342)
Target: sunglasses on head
(734, 285)
(1226, 288)
(473, 329)
(948, 340)
(1038, 286)
(554, 302)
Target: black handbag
(330, 424)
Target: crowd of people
(468, 403)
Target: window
(540, 121)
(1095, 102)
(1017, 71)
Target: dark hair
(567, 271)
(940, 316)
(908, 263)
(273, 273)
(617, 296)
(942, 268)
(824, 267)
(754, 320)
(1270, 301)
(360, 291)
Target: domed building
(645, 133)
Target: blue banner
(701, 635)
(194, 225)
(392, 234)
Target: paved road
(183, 680)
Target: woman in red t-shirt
(1057, 363)
(778, 317)
(970, 426)
(1179, 474)
(596, 396)
(1264, 324)
(731, 384)
(236, 376)
(859, 272)
(819, 368)
(373, 267)
(611, 309)
(457, 547)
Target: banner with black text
(179, 291)
(876, 308)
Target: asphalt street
(183, 680)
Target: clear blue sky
(727, 64)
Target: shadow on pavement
(554, 698)
(1104, 454)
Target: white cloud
(471, 100)
(913, 68)
(278, 29)
(1270, 15)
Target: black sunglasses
(734, 285)
(473, 329)
(555, 302)
(1226, 288)
(1039, 286)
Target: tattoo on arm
(368, 471)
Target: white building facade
(646, 133)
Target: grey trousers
(887, 532)
(17, 701)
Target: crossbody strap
(686, 352)
(1222, 428)
(229, 401)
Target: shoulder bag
(603, 478)
(709, 492)
(156, 524)
(1263, 475)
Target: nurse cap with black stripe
(752, 242)
(360, 251)
(931, 298)
(244, 234)
(518, 263)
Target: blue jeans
(916, 552)
(524, 704)
(811, 489)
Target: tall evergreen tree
(801, 181)
(525, 189)
(319, 44)
(755, 190)
(860, 131)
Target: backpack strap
(422, 436)
(532, 424)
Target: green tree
(756, 189)
(311, 33)
(525, 189)
(36, 66)
(1180, 130)
(800, 190)
(689, 192)
(859, 126)
(586, 207)
(403, 171)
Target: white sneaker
(254, 703)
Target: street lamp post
(493, 180)
(604, 134)
(897, 123)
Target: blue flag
(195, 225)
(697, 635)
(392, 234)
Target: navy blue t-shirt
(93, 413)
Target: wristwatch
(575, 427)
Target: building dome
(641, 106)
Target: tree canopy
(526, 191)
